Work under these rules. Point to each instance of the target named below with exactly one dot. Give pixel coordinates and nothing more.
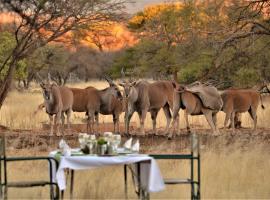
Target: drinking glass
(117, 140)
(81, 138)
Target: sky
(140, 4)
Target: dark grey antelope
(57, 101)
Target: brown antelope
(193, 105)
(262, 88)
(94, 101)
(57, 101)
(144, 97)
(239, 101)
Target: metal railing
(5, 184)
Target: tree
(171, 37)
(246, 22)
(41, 22)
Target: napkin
(64, 147)
(136, 146)
(128, 143)
(108, 134)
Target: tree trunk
(7, 82)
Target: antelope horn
(108, 79)
(49, 77)
(123, 74)
(39, 77)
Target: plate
(123, 151)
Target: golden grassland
(225, 175)
(230, 173)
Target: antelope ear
(121, 84)
(133, 83)
(42, 85)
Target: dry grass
(239, 175)
(228, 174)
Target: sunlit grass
(229, 173)
(225, 175)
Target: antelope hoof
(216, 133)
(178, 133)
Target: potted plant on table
(102, 146)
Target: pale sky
(140, 4)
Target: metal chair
(5, 184)
(194, 156)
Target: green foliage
(6, 46)
(21, 70)
(184, 38)
(246, 77)
(170, 42)
(126, 60)
(102, 141)
(194, 69)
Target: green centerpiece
(102, 146)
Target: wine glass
(108, 136)
(81, 138)
(117, 140)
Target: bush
(246, 77)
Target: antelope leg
(51, 124)
(68, 113)
(168, 115)
(57, 121)
(187, 122)
(232, 121)
(175, 118)
(208, 115)
(154, 120)
(97, 122)
(142, 119)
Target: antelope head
(178, 88)
(113, 89)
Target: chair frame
(5, 184)
(193, 156)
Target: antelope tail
(263, 107)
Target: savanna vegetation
(188, 40)
(78, 41)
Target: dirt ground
(244, 139)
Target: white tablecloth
(151, 177)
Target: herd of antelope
(142, 97)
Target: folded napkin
(64, 148)
(128, 143)
(136, 146)
(108, 134)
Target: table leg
(126, 186)
(142, 193)
(71, 183)
(139, 180)
(62, 194)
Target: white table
(150, 177)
